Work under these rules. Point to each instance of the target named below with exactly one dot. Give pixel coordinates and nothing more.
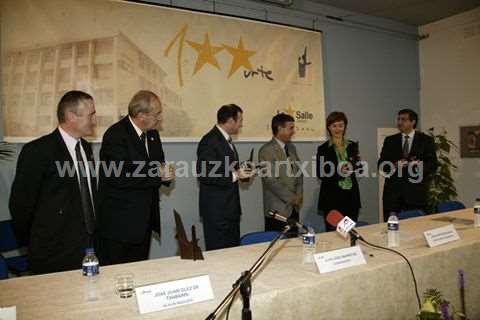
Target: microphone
(291, 222)
(344, 224)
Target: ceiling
(412, 12)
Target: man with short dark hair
(53, 211)
(408, 159)
(283, 182)
(218, 173)
(128, 201)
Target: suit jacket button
(60, 211)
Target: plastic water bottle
(90, 264)
(308, 245)
(476, 212)
(393, 231)
(91, 270)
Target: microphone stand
(243, 283)
(354, 237)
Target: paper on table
(8, 313)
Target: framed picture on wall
(470, 142)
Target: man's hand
(297, 200)
(403, 163)
(167, 172)
(244, 173)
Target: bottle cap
(89, 250)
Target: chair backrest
(258, 237)
(7, 238)
(361, 224)
(3, 268)
(450, 206)
(410, 214)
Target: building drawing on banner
(111, 69)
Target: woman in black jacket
(337, 166)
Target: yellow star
(290, 111)
(240, 57)
(205, 53)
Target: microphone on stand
(345, 226)
(290, 221)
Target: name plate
(438, 236)
(172, 294)
(339, 259)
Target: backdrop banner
(195, 62)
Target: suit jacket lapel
(278, 150)
(91, 163)
(398, 145)
(134, 138)
(414, 146)
(63, 155)
(226, 146)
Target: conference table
(285, 288)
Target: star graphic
(205, 53)
(240, 57)
(290, 111)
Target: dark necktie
(286, 150)
(232, 146)
(86, 198)
(405, 148)
(143, 138)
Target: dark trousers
(114, 252)
(275, 225)
(221, 232)
(345, 210)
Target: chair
(450, 206)
(3, 268)
(361, 224)
(410, 214)
(258, 237)
(16, 264)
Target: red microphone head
(334, 217)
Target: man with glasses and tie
(52, 200)
(128, 198)
(407, 160)
(219, 173)
(283, 182)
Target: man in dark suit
(408, 159)
(218, 173)
(128, 201)
(53, 194)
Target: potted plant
(441, 185)
(435, 307)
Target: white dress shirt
(227, 137)
(282, 145)
(411, 136)
(71, 142)
(139, 133)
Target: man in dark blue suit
(219, 174)
(408, 159)
(52, 207)
(128, 201)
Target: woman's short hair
(336, 116)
